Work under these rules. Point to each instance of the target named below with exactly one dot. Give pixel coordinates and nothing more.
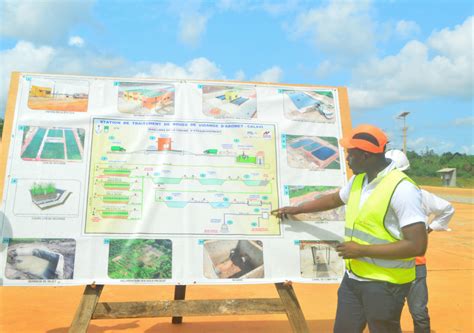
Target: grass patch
(53, 151)
(436, 181)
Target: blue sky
(393, 56)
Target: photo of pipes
(319, 260)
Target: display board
(151, 181)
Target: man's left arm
(413, 244)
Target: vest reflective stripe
(388, 263)
(369, 239)
(365, 225)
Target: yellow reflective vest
(365, 225)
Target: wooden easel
(90, 308)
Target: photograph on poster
(43, 197)
(236, 102)
(58, 95)
(319, 260)
(233, 259)
(141, 98)
(312, 152)
(140, 259)
(40, 259)
(311, 106)
(52, 144)
(299, 195)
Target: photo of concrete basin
(233, 259)
(236, 102)
(52, 144)
(58, 95)
(312, 106)
(140, 259)
(298, 195)
(142, 98)
(312, 152)
(40, 259)
(319, 260)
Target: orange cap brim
(350, 143)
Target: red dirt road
(450, 263)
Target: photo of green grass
(140, 259)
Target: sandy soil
(60, 104)
(450, 280)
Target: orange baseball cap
(365, 137)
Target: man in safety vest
(384, 232)
(442, 212)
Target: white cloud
(76, 41)
(42, 21)
(191, 28)
(407, 28)
(199, 68)
(273, 74)
(342, 28)
(442, 67)
(467, 149)
(437, 144)
(467, 121)
(239, 75)
(325, 68)
(454, 43)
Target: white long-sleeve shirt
(441, 209)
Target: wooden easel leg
(86, 308)
(293, 309)
(179, 294)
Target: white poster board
(144, 181)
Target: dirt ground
(450, 259)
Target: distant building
(448, 176)
(36, 91)
(231, 95)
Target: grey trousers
(418, 301)
(378, 304)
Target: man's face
(356, 159)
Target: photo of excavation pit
(233, 259)
(299, 195)
(319, 260)
(40, 259)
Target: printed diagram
(45, 197)
(177, 177)
(52, 144)
(319, 260)
(49, 259)
(58, 95)
(311, 106)
(229, 102)
(141, 98)
(298, 195)
(232, 259)
(140, 259)
(312, 152)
